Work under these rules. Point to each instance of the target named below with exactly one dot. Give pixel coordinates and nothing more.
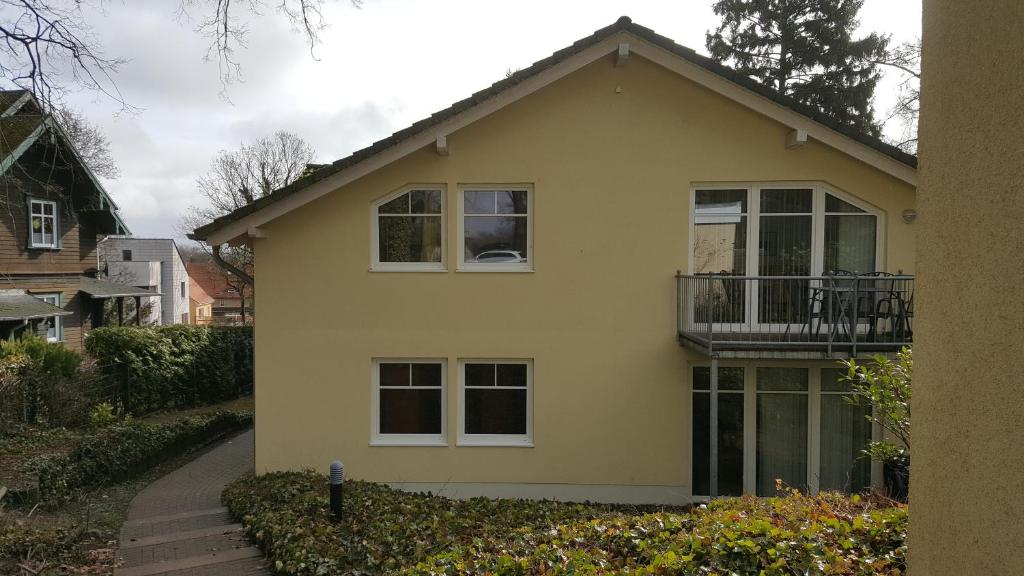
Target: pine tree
(804, 49)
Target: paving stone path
(177, 527)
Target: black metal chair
(878, 294)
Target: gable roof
(20, 128)
(900, 164)
(212, 279)
(196, 292)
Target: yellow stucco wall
(611, 173)
(967, 481)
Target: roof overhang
(657, 49)
(17, 305)
(97, 288)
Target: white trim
(55, 226)
(58, 324)
(604, 493)
(379, 439)
(533, 83)
(376, 265)
(462, 265)
(17, 105)
(22, 148)
(511, 440)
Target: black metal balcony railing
(834, 314)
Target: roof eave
(234, 227)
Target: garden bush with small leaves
(386, 531)
(123, 449)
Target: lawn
(386, 531)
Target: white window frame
(750, 394)
(376, 265)
(379, 439)
(509, 440)
(464, 266)
(753, 215)
(32, 202)
(58, 325)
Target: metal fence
(846, 313)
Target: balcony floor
(773, 345)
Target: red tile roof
(212, 279)
(196, 292)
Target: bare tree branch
(90, 143)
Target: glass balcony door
(743, 234)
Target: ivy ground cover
(386, 531)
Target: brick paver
(177, 526)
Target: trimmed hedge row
(124, 449)
(386, 531)
(177, 366)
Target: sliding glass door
(785, 248)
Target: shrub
(386, 531)
(123, 449)
(44, 382)
(102, 415)
(178, 366)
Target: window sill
(492, 268)
(407, 269)
(491, 443)
(410, 442)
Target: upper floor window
(126, 255)
(495, 228)
(782, 230)
(43, 224)
(182, 289)
(409, 230)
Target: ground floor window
(54, 331)
(495, 402)
(409, 399)
(787, 424)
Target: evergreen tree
(804, 49)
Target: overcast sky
(379, 68)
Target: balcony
(810, 317)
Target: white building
(151, 263)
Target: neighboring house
(53, 211)
(491, 304)
(200, 304)
(232, 303)
(155, 263)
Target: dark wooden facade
(46, 168)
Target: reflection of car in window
(492, 256)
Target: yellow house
(528, 291)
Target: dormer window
(42, 224)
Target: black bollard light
(337, 480)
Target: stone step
(246, 567)
(189, 545)
(171, 523)
(210, 563)
(183, 535)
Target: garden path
(177, 527)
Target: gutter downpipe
(231, 268)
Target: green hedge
(124, 449)
(386, 531)
(179, 366)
